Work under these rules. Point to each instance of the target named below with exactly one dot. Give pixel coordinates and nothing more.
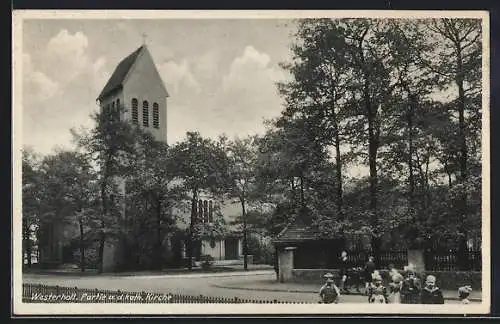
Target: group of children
(399, 290)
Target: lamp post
(245, 246)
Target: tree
(242, 154)
(203, 167)
(321, 77)
(369, 57)
(459, 64)
(110, 145)
(153, 182)
(31, 196)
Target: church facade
(137, 88)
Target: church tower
(137, 87)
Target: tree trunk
(245, 239)
(372, 158)
(102, 237)
(159, 254)
(463, 158)
(82, 246)
(338, 159)
(190, 245)
(338, 166)
(27, 245)
(302, 200)
(448, 173)
(413, 224)
(411, 179)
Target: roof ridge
(115, 82)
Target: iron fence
(448, 260)
(451, 260)
(39, 293)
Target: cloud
(67, 52)
(206, 65)
(179, 77)
(60, 83)
(248, 92)
(36, 85)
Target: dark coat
(369, 269)
(410, 291)
(431, 296)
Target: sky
(220, 74)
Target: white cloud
(66, 56)
(179, 76)
(60, 84)
(248, 93)
(36, 85)
(206, 65)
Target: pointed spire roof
(116, 81)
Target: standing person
(410, 289)
(431, 294)
(369, 269)
(276, 264)
(343, 271)
(329, 292)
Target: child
(395, 288)
(354, 279)
(410, 288)
(431, 294)
(377, 293)
(343, 271)
(392, 271)
(463, 294)
(369, 269)
(329, 293)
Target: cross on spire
(144, 37)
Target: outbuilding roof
(297, 233)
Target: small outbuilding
(304, 247)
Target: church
(137, 87)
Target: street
(189, 284)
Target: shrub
(207, 261)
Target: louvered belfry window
(118, 110)
(145, 113)
(135, 112)
(156, 116)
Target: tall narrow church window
(210, 212)
(112, 112)
(156, 116)
(205, 211)
(201, 217)
(135, 112)
(145, 113)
